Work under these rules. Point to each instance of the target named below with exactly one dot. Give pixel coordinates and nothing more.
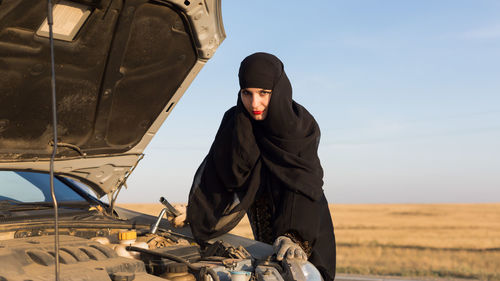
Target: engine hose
(169, 236)
(210, 271)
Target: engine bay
(129, 255)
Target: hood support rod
(114, 195)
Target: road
(346, 277)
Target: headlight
(310, 272)
(300, 270)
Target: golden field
(425, 240)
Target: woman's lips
(257, 112)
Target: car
(120, 69)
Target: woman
(264, 162)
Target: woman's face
(256, 101)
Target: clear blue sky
(407, 95)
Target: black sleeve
(231, 166)
(308, 223)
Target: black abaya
(269, 169)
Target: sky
(406, 93)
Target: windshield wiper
(8, 202)
(12, 205)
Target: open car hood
(121, 67)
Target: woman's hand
(178, 221)
(285, 247)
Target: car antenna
(50, 22)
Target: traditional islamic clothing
(268, 169)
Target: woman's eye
(264, 93)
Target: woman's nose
(255, 101)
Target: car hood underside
(117, 79)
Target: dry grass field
(424, 240)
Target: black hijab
(285, 143)
(288, 137)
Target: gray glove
(285, 247)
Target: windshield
(31, 187)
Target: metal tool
(171, 210)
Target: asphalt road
(340, 277)
(345, 277)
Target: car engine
(128, 256)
